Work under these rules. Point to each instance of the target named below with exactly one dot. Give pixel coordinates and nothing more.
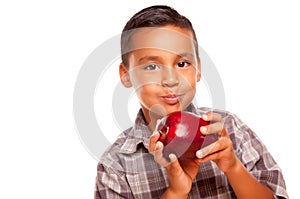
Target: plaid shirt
(127, 170)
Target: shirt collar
(140, 133)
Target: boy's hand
(181, 175)
(242, 182)
(222, 153)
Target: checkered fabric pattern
(127, 170)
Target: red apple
(180, 134)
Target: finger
(211, 116)
(215, 147)
(174, 165)
(158, 154)
(153, 139)
(224, 133)
(225, 153)
(212, 128)
(213, 156)
(205, 151)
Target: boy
(160, 61)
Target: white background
(254, 45)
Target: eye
(183, 64)
(152, 67)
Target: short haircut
(154, 16)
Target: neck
(151, 118)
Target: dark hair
(154, 16)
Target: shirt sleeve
(256, 158)
(111, 184)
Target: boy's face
(163, 68)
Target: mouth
(171, 99)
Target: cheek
(147, 96)
(189, 80)
(145, 91)
(141, 80)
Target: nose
(169, 77)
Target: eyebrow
(187, 55)
(149, 58)
(155, 58)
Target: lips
(171, 99)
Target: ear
(199, 70)
(124, 76)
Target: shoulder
(110, 158)
(127, 146)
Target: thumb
(174, 165)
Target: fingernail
(155, 133)
(157, 145)
(172, 157)
(199, 154)
(203, 129)
(205, 151)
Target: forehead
(169, 38)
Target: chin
(174, 108)
(159, 110)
